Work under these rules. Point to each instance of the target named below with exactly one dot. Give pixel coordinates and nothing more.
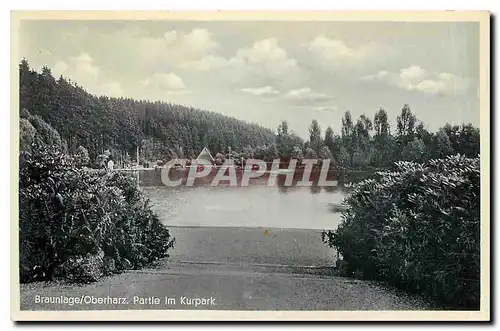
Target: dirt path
(229, 268)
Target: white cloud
(199, 40)
(260, 64)
(165, 81)
(82, 70)
(327, 109)
(299, 92)
(84, 67)
(265, 55)
(265, 90)
(196, 50)
(263, 58)
(307, 96)
(170, 36)
(172, 48)
(178, 47)
(262, 51)
(206, 63)
(414, 78)
(83, 58)
(304, 96)
(335, 54)
(331, 48)
(413, 74)
(59, 69)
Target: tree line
(372, 144)
(94, 127)
(367, 144)
(120, 125)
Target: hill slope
(121, 124)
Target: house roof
(205, 155)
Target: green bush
(68, 214)
(418, 228)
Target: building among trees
(205, 155)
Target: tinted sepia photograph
(250, 166)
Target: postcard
(246, 166)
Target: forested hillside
(100, 123)
(163, 131)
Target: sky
(266, 72)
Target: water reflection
(285, 183)
(256, 205)
(315, 189)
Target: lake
(255, 206)
(256, 225)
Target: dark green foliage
(315, 140)
(83, 269)
(82, 157)
(297, 154)
(287, 143)
(266, 153)
(414, 151)
(120, 125)
(310, 154)
(33, 128)
(357, 148)
(417, 227)
(325, 154)
(27, 134)
(330, 140)
(69, 217)
(165, 131)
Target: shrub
(418, 228)
(68, 216)
(82, 269)
(81, 157)
(46, 134)
(27, 134)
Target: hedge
(417, 227)
(80, 225)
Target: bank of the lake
(242, 269)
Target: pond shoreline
(277, 274)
